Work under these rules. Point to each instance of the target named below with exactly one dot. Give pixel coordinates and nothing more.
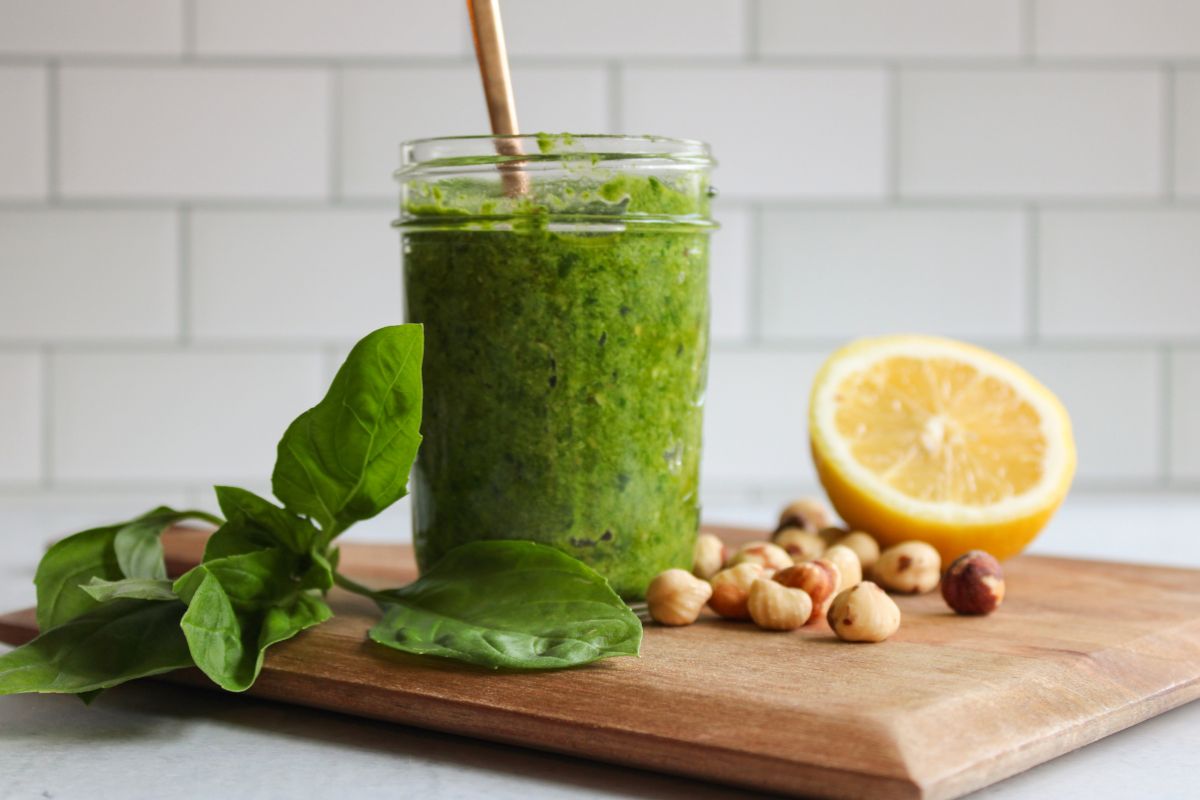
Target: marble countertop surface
(154, 740)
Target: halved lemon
(918, 437)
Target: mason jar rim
(531, 150)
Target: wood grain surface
(950, 704)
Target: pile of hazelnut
(812, 570)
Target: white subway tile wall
(1128, 274)
(23, 139)
(781, 132)
(88, 275)
(1185, 417)
(183, 131)
(1118, 28)
(755, 416)
(380, 107)
(332, 28)
(947, 271)
(891, 28)
(731, 264)
(20, 418)
(84, 27)
(291, 269)
(1116, 401)
(626, 28)
(1030, 132)
(200, 416)
(1187, 132)
(195, 197)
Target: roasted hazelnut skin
(775, 607)
(864, 545)
(808, 513)
(833, 534)
(849, 567)
(819, 579)
(675, 597)
(974, 584)
(765, 554)
(708, 556)
(800, 544)
(731, 590)
(864, 613)
(910, 568)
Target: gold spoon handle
(490, 51)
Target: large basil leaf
(113, 643)
(105, 553)
(240, 605)
(348, 457)
(509, 604)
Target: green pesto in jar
(565, 365)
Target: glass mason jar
(563, 285)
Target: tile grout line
(334, 130)
(187, 30)
(47, 430)
(751, 18)
(892, 167)
(1165, 425)
(1033, 273)
(1168, 133)
(755, 333)
(53, 103)
(985, 63)
(184, 274)
(1028, 32)
(379, 202)
(614, 75)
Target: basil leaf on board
(512, 604)
(69, 563)
(94, 554)
(132, 588)
(111, 644)
(348, 457)
(138, 544)
(263, 522)
(257, 524)
(250, 580)
(240, 605)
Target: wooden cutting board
(950, 704)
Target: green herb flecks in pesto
(564, 373)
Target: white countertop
(153, 740)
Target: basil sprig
(109, 614)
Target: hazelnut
(864, 546)
(731, 590)
(909, 567)
(775, 607)
(808, 513)
(974, 584)
(864, 613)
(675, 597)
(849, 567)
(765, 554)
(818, 578)
(708, 556)
(800, 544)
(831, 535)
